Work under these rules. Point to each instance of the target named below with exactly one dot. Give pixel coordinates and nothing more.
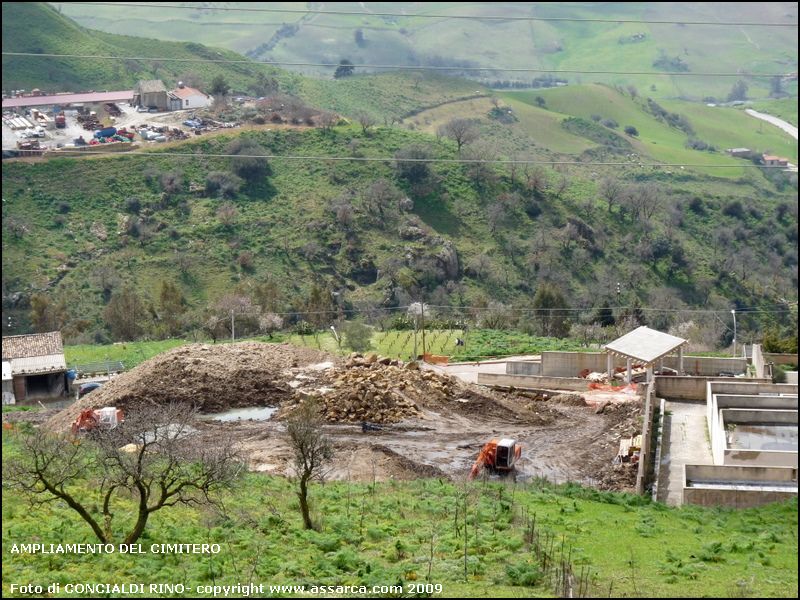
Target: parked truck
(61, 121)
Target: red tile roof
(90, 97)
(35, 344)
(187, 92)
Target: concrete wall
(780, 359)
(532, 382)
(523, 367)
(780, 484)
(791, 377)
(726, 455)
(569, 364)
(690, 388)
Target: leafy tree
(172, 306)
(358, 35)
(47, 315)
(154, 460)
(540, 102)
(249, 159)
(357, 336)
(366, 121)
(312, 451)
(738, 91)
(551, 317)
(223, 184)
(410, 163)
(631, 130)
(220, 86)
(604, 315)
(345, 69)
(125, 314)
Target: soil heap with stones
(211, 378)
(377, 389)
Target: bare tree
(312, 451)
(366, 121)
(610, 190)
(154, 459)
(461, 131)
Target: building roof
(88, 98)
(35, 344)
(645, 345)
(187, 92)
(738, 149)
(148, 86)
(775, 158)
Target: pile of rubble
(378, 389)
(210, 377)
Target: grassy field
(785, 108)
(592, 46)
(406, 532)
(34, 27)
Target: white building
(191, 97)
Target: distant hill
(568, 45)
(37, 27)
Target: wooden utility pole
(422, 312)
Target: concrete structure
(791, 377)
(534, 382)
(524, 367)
(8, 388)
(692, 388)
(645, 346)
(151, 93)
(780, 359)
(775, 161)
(740, 487)
(569, 364)
(38, 368)
(64, 99)
(739, 152)
(190, 97)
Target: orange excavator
(102, 418)
(498, 456)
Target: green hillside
(405, 533)
(657, 137)
(74, 228)
(594, 46)
(36, 27)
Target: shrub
(734, 209)
(64, 207)
(224, 184)
(631, 130)
(133, 205)
(357, 336)
(610, 123)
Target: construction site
(605, 427)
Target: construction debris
(210, 377)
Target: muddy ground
(428, 424)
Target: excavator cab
(497, 456)
(506, 455)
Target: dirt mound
(569, 399)
(211, 377)
(381, 390)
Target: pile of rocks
(378, 390)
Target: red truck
(61, 121)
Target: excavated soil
(212, 378)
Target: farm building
(37, 365)
(191, 97)
(151, 93)
(22, 102)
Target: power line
(441, 16)
(396, 67)
(385, 159)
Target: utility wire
(399, 67)
(439, 16)
(385, 159)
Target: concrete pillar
(610, 366)
(628, 376)
(661, 365)
(649, 373)
(680, 360)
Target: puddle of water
(764, 436)
(252, 413)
